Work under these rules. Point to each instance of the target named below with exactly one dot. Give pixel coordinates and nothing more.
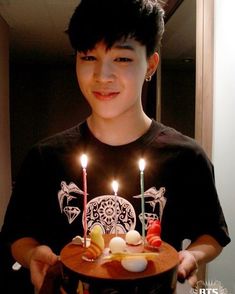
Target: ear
(153, 61)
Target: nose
(104, 71)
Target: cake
(130, 262)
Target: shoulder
(59, 144)
(170, 139)
(63, 139)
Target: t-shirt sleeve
(23, 214)
(205, 214)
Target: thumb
(45, 254)
(41, 259)
(192, 279)
(187, 267)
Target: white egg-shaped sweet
(117, 244)
(134, 263)
(133, 237)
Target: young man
(115, 43)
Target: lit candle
(115, 190)
(141, 167)
(84, 160)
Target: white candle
(115, 190)
(142, 167)
(84, 161)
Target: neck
(119, 131)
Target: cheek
(83, 71)
(80, 73)
(136, 82)
(82, 78)
(81, 82)
(137, 75)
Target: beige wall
(223, 154)
(5, 162)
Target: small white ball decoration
(133, 237)
(117, 245)
(134, 263)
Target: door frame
(204, 70)
(204, 74)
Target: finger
(52, 258)
(41, 259)
(192, 280)
(181, 275)
(45, 255)
(187, 266)
(37, 276)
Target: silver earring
(148, 79)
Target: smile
(105, 95)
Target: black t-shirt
(47, 200)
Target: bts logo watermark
(209, 287)
(208, 291)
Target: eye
(88, 58)
(123, 59)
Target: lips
(105, 95)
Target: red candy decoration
(154, 228)
(154, 233)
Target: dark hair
(112, 20)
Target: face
(111, 79)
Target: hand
(41, 258)
(187, 268)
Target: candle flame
(115, 186)
(84, 160)
(141, 164)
